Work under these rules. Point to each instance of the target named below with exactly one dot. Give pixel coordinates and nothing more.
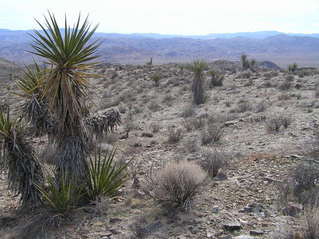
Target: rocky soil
(243, 202)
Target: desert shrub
(317, 91)
(138, 228)
(242, 106)
(105, 176)
(188, 111)
(212, 134)
(154, 106)
(311, 224)
(260, 107)
(168, 99)
(174, 135)
(216, 79)
(198, 122)
(286, 85)
(156, 79)
(301, 185)
(284, 97)
(274, 123)
(188, 124)
(212, 161)
(155, 128)
(191, 145)
(176, 185)
(289, 78)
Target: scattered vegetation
(174, 135)
(274, 123)
(216, 79)
(213, 161)
(176, 185)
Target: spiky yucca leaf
(105, 177)
(24, 170)
(35, 107)
(61, 195)
(69, 54)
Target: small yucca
(105, 176)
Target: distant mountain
(280, 48)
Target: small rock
(147, 134)
(232, 226)
(256, 232)
(244, 237)
(292, 209)
(220, 176)
(115, 220)
(215, 209)
(230, 123)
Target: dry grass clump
(191, 145)
(155, 128)
(311, 227)
(154, 106)
(213, 161)
(242, 106)
(260, 107)
(212, 134)
(286, 85)
(317, 91)
(174, 135)
(275, 123)
(301, 185)
(188, 111)
(216, 79)
(176, 185)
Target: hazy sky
(171, 16)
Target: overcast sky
(171, 16)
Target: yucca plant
(24, 170)
(244, 62)
(60, 195)
(105, 176)
(69, 55)
(198, 68)
(35, 107)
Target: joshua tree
(292, 68)
(24, 170)
(69, 55)
(198, 68)
(244, 62)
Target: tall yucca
(24, 170)
(69, 53)
(198, 68)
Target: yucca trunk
(198, 90)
